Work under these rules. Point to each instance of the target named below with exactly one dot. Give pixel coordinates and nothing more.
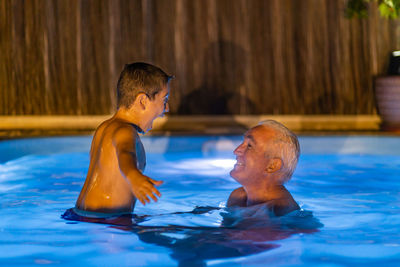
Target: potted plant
(387, 87)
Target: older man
(266, 159)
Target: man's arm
(238, 197)
(142, 187)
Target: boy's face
(157, 107)
(252, 162)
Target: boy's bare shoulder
(118, 129)
(238, 197)
(117, 132)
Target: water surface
(349, 183)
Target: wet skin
(117, 159)
(259, 171)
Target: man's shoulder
(284, 205)
(238, 197)
(239, 191)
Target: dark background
(229, 56)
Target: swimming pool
(351, 184)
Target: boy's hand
(143, 187)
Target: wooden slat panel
(63, 57)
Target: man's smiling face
(252, 161)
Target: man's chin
(233, 174)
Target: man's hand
(143, 188)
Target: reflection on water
(243, 231)
(356, 197)
(206, 167)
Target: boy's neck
(129, 116)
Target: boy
(117, 158)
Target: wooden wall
(228, 56)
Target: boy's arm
(142, 186)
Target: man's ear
(142, 100)
(274, 165)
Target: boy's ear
(142, 100)
(274, 165)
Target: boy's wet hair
(138, 78)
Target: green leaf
(389, 8)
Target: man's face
(252, 162)
(158, 106)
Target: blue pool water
(350, 184)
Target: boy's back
(105, 188)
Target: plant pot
(387, 90)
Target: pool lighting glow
(215, 167)
(223, 163)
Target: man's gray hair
(288, 148)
